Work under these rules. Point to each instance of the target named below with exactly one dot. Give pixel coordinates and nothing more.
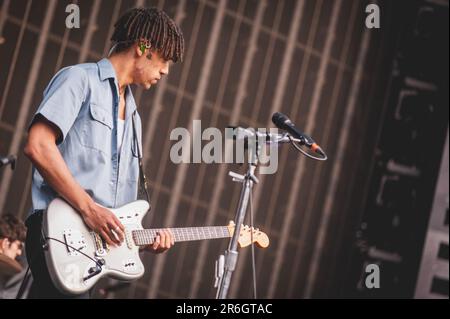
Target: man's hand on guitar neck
(163, 241)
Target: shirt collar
(105, 69)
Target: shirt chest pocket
(97, 129)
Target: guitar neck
(144, 237)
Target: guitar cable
(293, 143)
(24, 280)
(44, 246)
(252, 248)
(97, 263)
(22, 284)
(44, 242)
(251, 234)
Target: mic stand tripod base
(220, 264)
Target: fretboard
(143, 237)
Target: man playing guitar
(85, 138)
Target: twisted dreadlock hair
(152, 25)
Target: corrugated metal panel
(245, 59)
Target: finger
(168, 239)
(157, 242)
(172, 237)
(118, 231)
(163, 239)
(105, 236)
(115, 231)
(114, 236)
(108, 229)
(117, 226)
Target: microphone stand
(226, 264)
(10, 160)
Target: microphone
(283, 122)
(8, 160)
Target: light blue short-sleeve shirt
(83, 102)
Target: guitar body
(77, 257)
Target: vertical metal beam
(160, 91)
(140, 3)
(62, 50)
(273, 34)
(358, 151)
(228, 63)
(158, 98)
(91, 28)
(277, 101)
(337, 165)
(328, 124)
(196, 109)
(293, 196)
(242, 92)
(15, 56)
(287, 58)
(114, 18)
(237, 106)
(3, 15)
(180, 92)
(27, 98)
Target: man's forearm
(51, 165)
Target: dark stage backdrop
(245, 59)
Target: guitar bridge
(74, 240)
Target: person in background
(12, 238)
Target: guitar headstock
(247, 234)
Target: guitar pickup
(101, 247)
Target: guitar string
(183, 234)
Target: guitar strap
(142, 178)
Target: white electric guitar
(78, 257)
